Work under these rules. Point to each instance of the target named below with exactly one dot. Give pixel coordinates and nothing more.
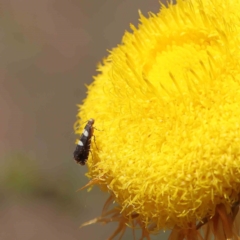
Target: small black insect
(83, 147)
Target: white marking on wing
(85, 133)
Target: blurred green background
(49, 50)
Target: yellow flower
(167, 106)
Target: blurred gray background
(48, 50)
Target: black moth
(83, 147)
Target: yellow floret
(167, 106)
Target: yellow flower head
(166, 104)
